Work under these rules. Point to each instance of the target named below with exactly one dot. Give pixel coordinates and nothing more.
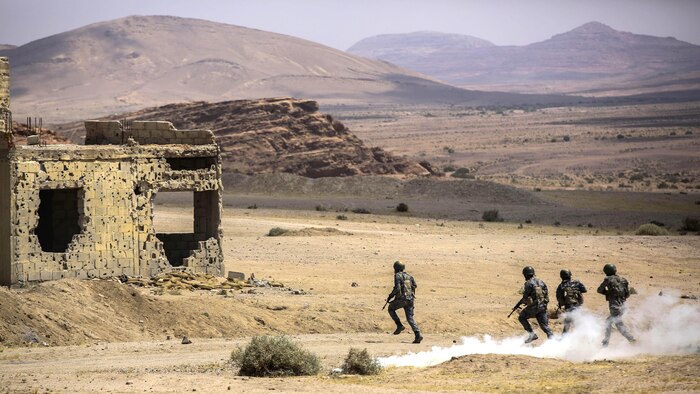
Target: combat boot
(418, 339)
(531, 337)
(398, 330)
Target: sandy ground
(642, 147)
(468, 275)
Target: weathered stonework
(86, 211)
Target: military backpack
(407, 290)
(572, 294)
(617, 288)
(539, 297)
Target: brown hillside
(276, 135)
(141, 61)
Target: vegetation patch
(491, 215)
(462, 173)
(359, 362)
(651, 229)
(277, 231)
(402, 207)
(274, 356)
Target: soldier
(403, 295)
(616, 291)
(569, 296)
(536, 298)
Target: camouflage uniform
(616, 291)
(569, 297)
(536, 306)
(403, 298)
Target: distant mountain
(7, 46)
(592, 59)
(141, 61)
(402, 48)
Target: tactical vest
(572, 294)
(406, 284)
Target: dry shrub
(462, 173)
(691, 224)
(359, 362)
(277, 231)
(651, 229)
(491, 216)
(402, 207)
(274, 356)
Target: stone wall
(143, 132)
(4, 83)
(87, 211)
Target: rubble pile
(184, 280)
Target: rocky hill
(141, 61)
(6, 46)
(276, 135)
(592, 59)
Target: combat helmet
(528, 272)
(399, 266)
(565, 274)
(610, 269)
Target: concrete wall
(115, 186)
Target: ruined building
(86, 211)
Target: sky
(341, 23)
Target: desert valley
(465, 160)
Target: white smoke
(662, 325)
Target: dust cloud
(662, 325)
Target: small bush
(361, 210)
(274, 356)
(567, 138)
(359, 362)
(662, 185)
(277, 231)
(341, 217)
(402, 207)
(321, 208)
(254, 206)
(620, 137)
(448, 168)
(491, 216)
(462, 173)
(691, 224)
(651, 229)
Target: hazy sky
(341, 23)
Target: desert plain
(113, 337)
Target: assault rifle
(515, 308)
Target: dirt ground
(646, 147)
(106, 336)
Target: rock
(186, 341)
(354, 284)
(236, 275)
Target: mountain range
(142, 61)
(593, 59)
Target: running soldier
(616, 291)
(536, 298)
(569, 296)
(403, 294)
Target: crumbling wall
(5, 248)
(108, 192)
(4, 83)
(143, 132)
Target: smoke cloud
(662, 325)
